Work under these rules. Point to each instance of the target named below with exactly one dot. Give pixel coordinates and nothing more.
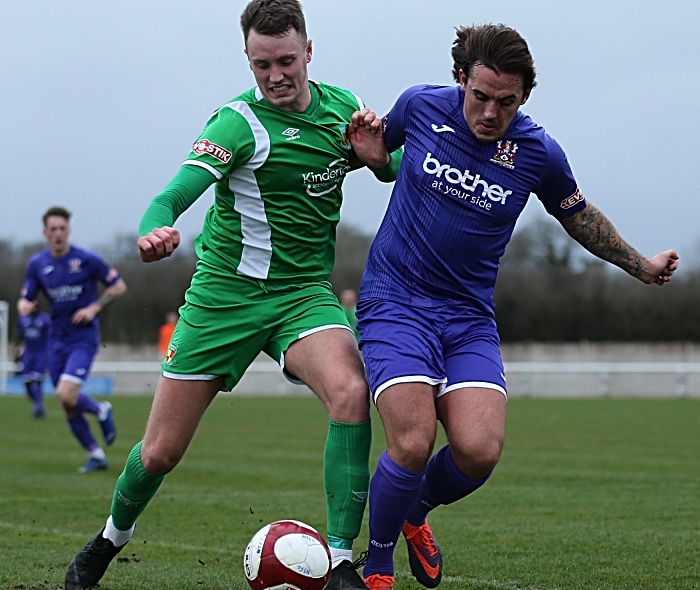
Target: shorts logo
(170, 355)
(204, 146)
(505, 153)
(291, 133)
(74, 265)
(574, 199)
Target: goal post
(4, 338)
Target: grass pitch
(589, 494)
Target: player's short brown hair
(56, 212)
(495, 46)
(273, 17)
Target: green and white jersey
(278, 191)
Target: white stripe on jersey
(359, 101)
(206, 166)
(255, 229)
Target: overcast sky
(101, 101)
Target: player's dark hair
(273, 17)
(56, 212)
(495, 46)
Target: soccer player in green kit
(278, 154)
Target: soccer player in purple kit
(33, 337)
(68, 277)
(426, 311)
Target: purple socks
(443, 484)
(392, 491)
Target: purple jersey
(34, 331)
(70, 283)
(456, 200)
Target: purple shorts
(447, 345)
(70, 362)
(33, 366)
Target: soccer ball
(287, 555)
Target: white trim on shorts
(473, 384)
(183, 377)
(288, 376)
(71, 378)
(408, 379)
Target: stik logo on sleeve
(204, 146)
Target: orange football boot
(424, 554)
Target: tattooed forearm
(595, 233)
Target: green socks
(346, 479)
(135, 488)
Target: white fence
(541, 379)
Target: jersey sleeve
(183, 190)
(394, 122)
(101, 270)
(226, 143)
(557, 188)
(31, 286)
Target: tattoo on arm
(105, 299)
(594, 231)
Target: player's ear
(308, 50)
(463, 79)
(245, 50)
(525, 96)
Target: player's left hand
(662, 267)
(85, 314)
(366, 138)
(159, 243)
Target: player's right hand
(26, 307)
(366, 138)
(159, 243)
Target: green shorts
(223, 327)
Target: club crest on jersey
(74, 265)
(345, 143)
(170, 355)
(204, 146)
(505, 153)
(574, 199)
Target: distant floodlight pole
(4, 335)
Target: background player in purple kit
(426, 311)
(33, 338)
(68, 277)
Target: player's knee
(479, 458)
(158, 460)
(411, 451)
(349, 400)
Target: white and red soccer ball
(287, 555)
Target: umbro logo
(442, 128)
(359, 496)
(291, 133)
(47, 270)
